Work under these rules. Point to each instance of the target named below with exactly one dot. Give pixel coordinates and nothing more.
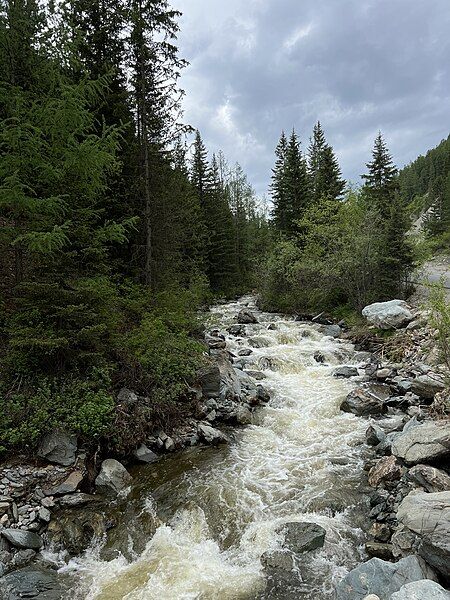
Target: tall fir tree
(323, 168)
(381, 181)
(277, 186)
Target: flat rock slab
(31, 582)
(428, 516)
(303, 537)
(382, 578)
(421, 590)
(22, 539)
(424, 443)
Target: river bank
(215, 519)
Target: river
(195, 524)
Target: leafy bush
(84, 406)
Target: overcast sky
(259, 66)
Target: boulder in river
(423, 443)
(209, 380)
(388, 315)
(58, 447)
(428, 516)
(302, 537)
(237, 330)
(382, 578)
(421, 590)
(246, 317)
(113, 476)
(22, 539)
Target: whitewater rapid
(217, 511)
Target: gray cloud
(260, 66)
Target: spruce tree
(296, 185)
(200, 170)
(277, 187)
(323, 169)
(315, 156)
(381, 181)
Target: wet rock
(345, 372)
(375, 435)
(215, 342)
(58, 447)
(75, 532)
(113, 476)
(74, 500)
(319, 357)
(145, 455)
(68, 486)
(237, 330)
(44, 514)
(364, 401)
(428, 516)
(210, 435)
(430, 478)
(258, 342)
(258, 375)
(245, 316)
(279, 559)
(388, 315)
(21, 559)
(404, 542)
(31, 582)
(22, 539)
(423, 443)
(379, 550)
(382, 578)
(262, 394)
(303, 537)
(387, 470)
(426, 386)
(245, 352)
(421, 590)
(229, 382)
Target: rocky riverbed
(279, 509)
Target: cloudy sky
(259, 66)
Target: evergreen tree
(277, 187)
(381, 182)
(315, 158)
(330, 184)
(200, 171)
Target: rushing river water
(195, 525)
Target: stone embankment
(405, 400)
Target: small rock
(379, 550)
(380, 532)
(211, 435)
(69, 485)
(145, 455)
(73, 500)
(430, 478)
(44, 514)
(421, 590)
(245, 352)
(374, 435)
(426, 386)
(128, 397)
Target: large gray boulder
(423, 443)
(303, 537)
(421, 590)
(58, 447)
(382, 578)
(430, 478)
(428, 516)
(426, 386)
(22, 539)
(210, 435)
(113, 476)
(388, 315)
(209, 380)
(31, 582)
(145, 455)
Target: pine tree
(381, 181)
(315, 156)
(200, 171)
